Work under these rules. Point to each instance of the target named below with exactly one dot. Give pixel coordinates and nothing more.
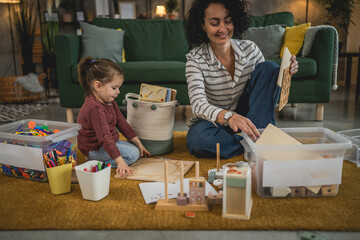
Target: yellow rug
(29, 205)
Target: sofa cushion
(151, 39)
(154, 72)
(273, 34)
(307, 67)
(294, 38)
(99, 42)
(283, 18)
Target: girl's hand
(237, 122)
(122, 168)
(294, 65)
(140, 146)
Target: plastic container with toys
(308, 163)
(353, 154)
(26, 144)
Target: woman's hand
(294, 65)
(237, 122)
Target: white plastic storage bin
(312, 169)
(94, 185)
(22, 155)
(353, 154)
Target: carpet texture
(29, 205)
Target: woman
(231, 88)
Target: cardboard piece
(274, 136)
(152, 169)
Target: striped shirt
(211, 88)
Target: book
(153, 93)
(152, 191)
(284, 78)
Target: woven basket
(152, 122)
(12, 92)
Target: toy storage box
(353, 154)
(22, 155)
(312, 169)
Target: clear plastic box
(353, 154)
(311, 169)
(22, 155)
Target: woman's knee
(268, 66)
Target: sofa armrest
(323, 52)
(67, 49)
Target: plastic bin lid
(67, 130)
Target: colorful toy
(197, 198)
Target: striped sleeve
(196, 90)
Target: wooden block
(215, 199)
(171, 204)
(314, 189)
(329, 190)
(297, 192)
(181, 200)
(280, 191)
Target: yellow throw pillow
(294, 38)
(123, 54)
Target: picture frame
(80, 16)
(54, 17)
(127, 10)
(102, 8)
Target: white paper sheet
(21, 156)
(152, 191)
(302, 172)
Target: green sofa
(155, 54)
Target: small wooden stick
(166, 180)
(217, 157)
(181, 178)
(197, 169)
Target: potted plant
(171, 6)
(67, 5)
(25, 20)
(339, 13)
(49, 31)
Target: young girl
(101, 118)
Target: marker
(86, 170)
(99, 166)
(103, 165)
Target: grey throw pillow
(269, 39)
(99, 42)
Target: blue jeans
(257, 103)
(129, 152)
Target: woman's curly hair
(195, 19)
